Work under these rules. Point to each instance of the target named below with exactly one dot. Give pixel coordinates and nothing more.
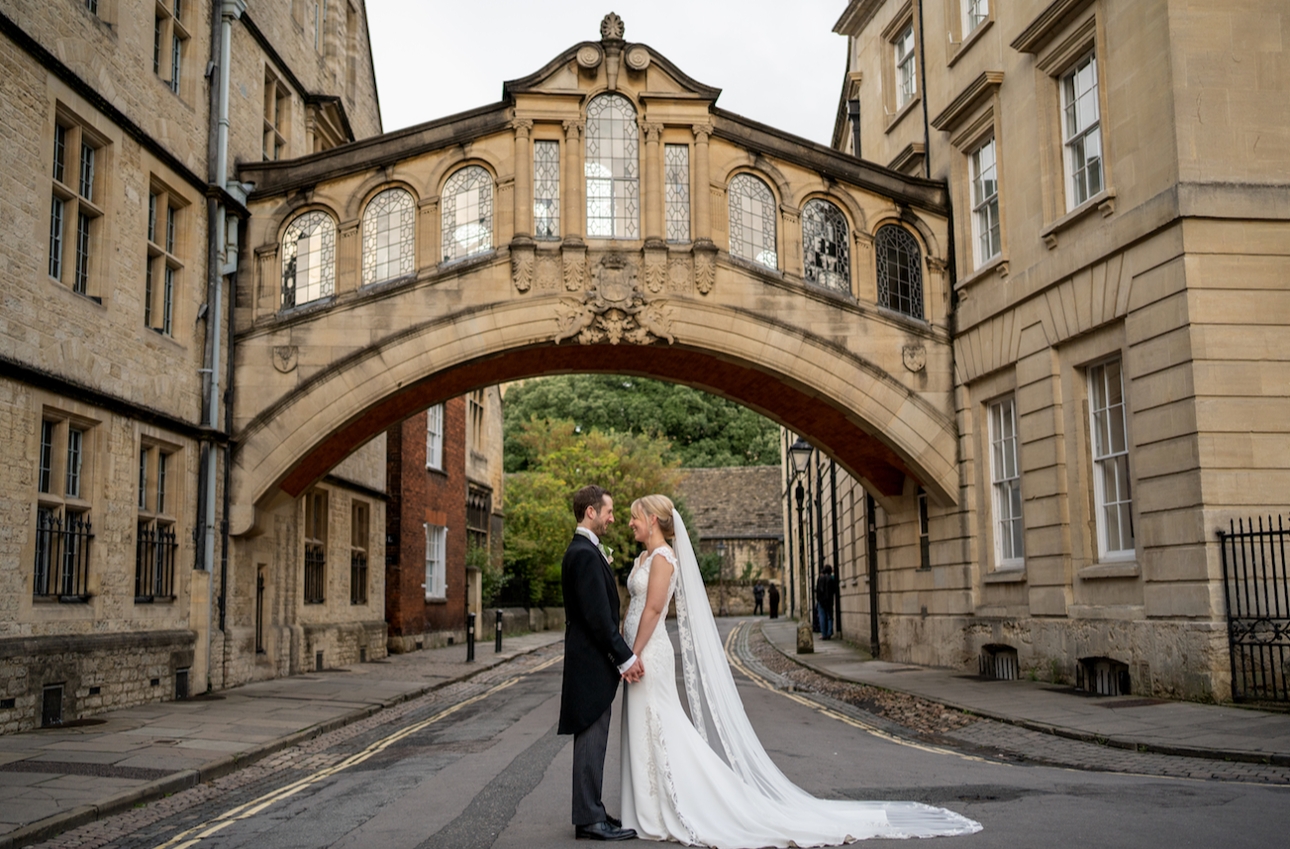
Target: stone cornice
(913, 191)
(1046, 25)
(968, 99)
(857, 16)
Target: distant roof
(735, 501)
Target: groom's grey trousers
(589, 747)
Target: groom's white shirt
(595, 540)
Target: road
(479, 765)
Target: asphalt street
(480, 766)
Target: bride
(704, 779)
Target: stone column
(653, 183)
(523, 178)
(702, 207)
(349, 271)
(571, 203)
(428, 233)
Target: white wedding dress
(709, 782)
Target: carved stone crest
(914, 357)
(284, 358)
(614, 309)
(611, 27)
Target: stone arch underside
(873, 426)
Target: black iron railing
(315, 571)
(358, 577)
(1256, 589)
(154, 562)
(62, 555)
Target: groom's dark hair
(588, 496)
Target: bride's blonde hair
(660, 507)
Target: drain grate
(1128, 703)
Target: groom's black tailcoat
(593, 648)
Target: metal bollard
(498, 646)
(470, 637)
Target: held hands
(634, 672)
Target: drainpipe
(922, 73)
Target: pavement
(1187, 729)
(58, 778)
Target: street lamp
(799, 454)
(805, 642)
(721, 579)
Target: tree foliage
(539, 513)
(703, 430)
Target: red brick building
(443, 475)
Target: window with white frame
(466, 210)
(906, 66)
(752, 220)
(975, 13)
(434, 437)
(1005, 483)
(156, 542)
(170, 42)
(546, 189)
(75, 213)
(63, 529)
(308, 259)
(985, 203)
(389, 223)
(436, 584)
(277, 117)
(612, 168)
(164, 267)
(1082, 132)
(676, 191)
(1110, 448)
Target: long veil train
(718, 715)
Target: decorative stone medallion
(589, 56)
(284, 358)
(638, 57)
(914, 357)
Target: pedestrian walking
(826, 589)
(759, 592)
(774, 601)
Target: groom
(596, 658)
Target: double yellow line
(829, 712)
(198, 833)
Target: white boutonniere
(607, 552)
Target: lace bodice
(638, 588)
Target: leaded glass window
(612, 169)
(546, 189)
(752, 220)
(467, 213)
(308, 259)
(676, 191)
(388, 236)
(827, 255)
(900, 275)
(1082, 132)
(985, 202)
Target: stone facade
(1162, 270)
(736, 513)
(109, 178)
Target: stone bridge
(604, 216)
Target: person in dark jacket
(826, 593)
(596, 659)
(759, 592)
(774, 601)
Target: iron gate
(1256, 589)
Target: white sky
(776, 62)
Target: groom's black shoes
(604, 831)
(613, 820)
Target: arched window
(826, 252)
(388, 242)
(613, 169)
(467, 213)
(308, 259)
(752, 220)
(900, 271)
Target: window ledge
(998, 264)
(754, 265)
(904, 317)
(1112, 569)
(972, 39)
(436, 600)
(1103, 200)
(899, 115)
(1005, 576)
(462, 262)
